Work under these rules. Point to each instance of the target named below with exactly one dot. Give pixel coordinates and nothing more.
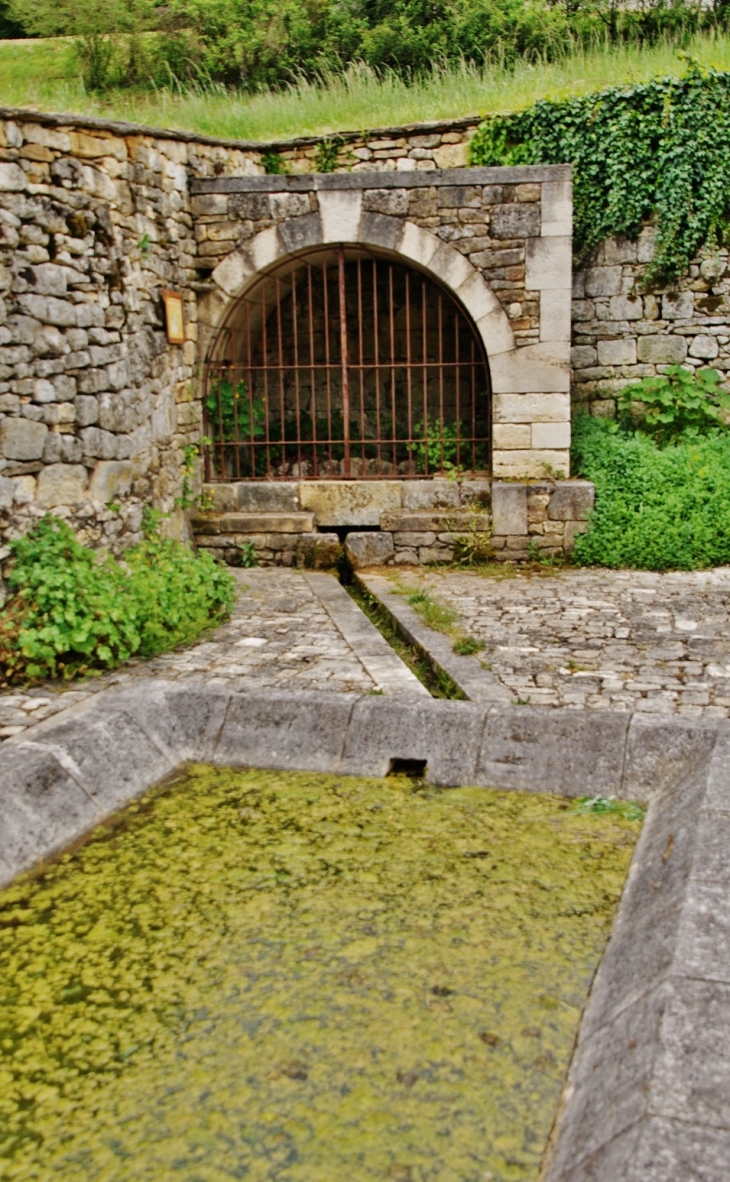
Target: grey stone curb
(648, 1093)
(122, 127)
(478, 684)
(312, 182)
(390, 674)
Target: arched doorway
(346, 363)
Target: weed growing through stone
(628, 810)
(441, 618)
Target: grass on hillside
(42, 74)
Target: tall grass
(42, 74)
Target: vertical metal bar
(265, 356)
(424, 347)
(376, 360)
(441, 370)
(361, 359)
(248, 379)
(473, 404)
(457, 371)
(280, 346)
(327, 363)
(344, 362)
(312, 376)
(392, 368)
(409, 376)
(295, 337)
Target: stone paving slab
(287, 630)
(657, 643)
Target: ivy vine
(656, 150)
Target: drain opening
(416, 768)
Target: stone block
(98, 444)
(475, 493)
(61, 484)
(660, 349)
(299, 233)
(232, 273)
(547, 436)
(340, 212)
(704, 346)
(531, 408)
(7, 492)
(522, 465)
(617, 352)
(350, 502)
(446, 735)
(555, 322)
(42, 808)
(623, 307)
(549, 263)
(515, 221)
(583, 356)
(570, 532)
(12, 178)
(258, 497)
(112, 757)
(266, 523)
(432, 554)
(451, 155)
(661, 752)
(369, 549)
(512, 435)
(110, 479)
(603, 281)
(573, 752)
(557, 208)
(22, 439)
(380, 230)
(572, 500)
(276, 729)
(390, 201)
(435, 493)
(678, 305)
(509, 508)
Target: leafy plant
(247, 556)
(657, 508)
(73, 610)
(327, 152)
(231, 415)
(676, 402)
(437, 446)
(273, 164)
(603, 806)
(655, 149)
(191, 451)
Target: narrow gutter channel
(436, 680)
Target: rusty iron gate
(346, 365)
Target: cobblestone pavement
(280, 634)
(603, 640)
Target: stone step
(453, 521)
(256, 496)
(254, 523)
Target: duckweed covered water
(304, 978)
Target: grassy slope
(42, 74)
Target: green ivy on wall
(659, 149)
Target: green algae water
(258, 975)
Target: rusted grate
(346, 365)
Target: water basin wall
(647, 1091)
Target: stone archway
(530, 377)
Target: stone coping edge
(124, 128)
(648, 1091)
(318, 181)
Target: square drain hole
(416, 768)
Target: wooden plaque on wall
(174, 318)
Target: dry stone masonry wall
(624, 330)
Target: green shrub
(675, 403)
(657, 508)
(73, 610)
(658, 148)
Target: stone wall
(624, 330)
(95, 406)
